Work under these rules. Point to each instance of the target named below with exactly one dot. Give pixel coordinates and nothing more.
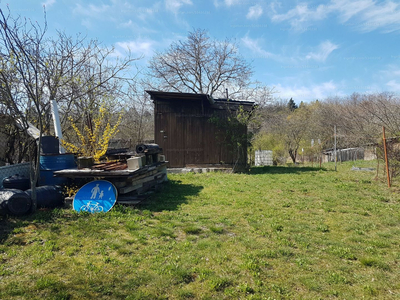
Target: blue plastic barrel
(55, 162)
(50, 145)
(47, 178)
(48, 196)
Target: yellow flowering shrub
(94, 141)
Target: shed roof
(157, 95)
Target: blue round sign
(96, 196)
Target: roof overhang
(216, 103)
(168, 96)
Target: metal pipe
(386, 156)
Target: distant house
(196, 130)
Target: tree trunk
(293, 154)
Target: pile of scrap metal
(133, 174)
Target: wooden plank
(116, 167)
(106, 165)
(87, 173)
(132, 180)
(149, 181)
(139, 183)
(130, 188)
(119, 184)
(142, 176)
(146, 187)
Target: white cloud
(86, 23)
(302, 14)
(255, 12)
(148, 12)
(119, 12)
(137, 48)
(323, 51)
(391, 75)
(48, 3)
(175, 5)
(92, 13)
(274, 6)
(127, 24)
(386, 16)
(218, 3)
(365, 15)
(91, 10)
(256, 48)
(388, 78)
(308, 93)
(393, 85)
(231, 2)
(348, 9)
(391, 71)
(290, 58)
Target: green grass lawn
(275, 233)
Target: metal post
(334, 129)
(386, 156)
(57, 124)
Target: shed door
(193, 126)
(169, 135)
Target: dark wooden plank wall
(188, 138)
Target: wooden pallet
(133, 186)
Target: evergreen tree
(292, 105)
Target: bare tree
(201, 65)
(283, 128)
(359, 117)
(138, 120)
(81, 75)
(295, 129)
(22, 52)
(33, 70)
(381, 109)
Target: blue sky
(305, 50)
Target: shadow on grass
(171, 196)
(9, 225)
(283, 170)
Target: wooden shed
(196, 130)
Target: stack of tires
(48, 196)
(16, 196)
(16, 181)
(13, 199)
(15, 202)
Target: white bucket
(134, 163)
